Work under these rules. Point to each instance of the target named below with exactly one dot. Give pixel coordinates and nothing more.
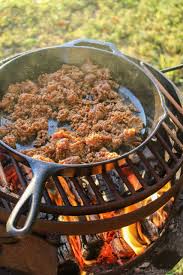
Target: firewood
(149, 229)
(91, 250)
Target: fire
(131, 178)
(160, 216)
(118, 245)
(132, 234)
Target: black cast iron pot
(128, 74)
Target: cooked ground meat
(86, 99)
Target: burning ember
(106, 249)
(117, 246)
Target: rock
(137, 270)
(145, 265)
(171, 227)
(30, 254)
(134, 158)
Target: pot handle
(33, 192)
(108, 46)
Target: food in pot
(73, 115)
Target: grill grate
(112, 190)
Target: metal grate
(113, 190)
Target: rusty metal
(98, 226)
(167, 138)
(174, 68)
(61, 191)
(163, 164)
(172, 135)
(166, 146)
(148, 166)
(125, 180)
(175, 120)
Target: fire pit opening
(94, 254)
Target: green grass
(151, 30)
(177, 270)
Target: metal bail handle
(108, 46)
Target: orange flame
(131, 178)
(118, 245)
(132, 234)
(121, 244)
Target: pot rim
(91, 164)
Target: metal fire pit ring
(84, 227)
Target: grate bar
(80, 191)
(106, 207)
(23, 181)
(111, 186)
(171, 99)
(170, 69)
(175, 120)
(95, 189)
(3, 180)
(157, 155)
(148, 165)
(61, 190)
(125, 180)
(166, 93)
(5, 204)
(104, 225)
(166, 146)
(172, 135)
(47, 197)
(19, 173)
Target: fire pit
(101, 223)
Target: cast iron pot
(128, 74)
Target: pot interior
(135, 86)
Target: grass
(151, 30)
(177, 270)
